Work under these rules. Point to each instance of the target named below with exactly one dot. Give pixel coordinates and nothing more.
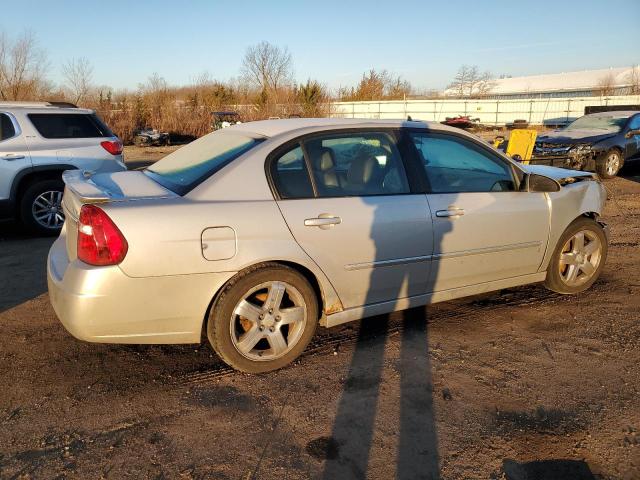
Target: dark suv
(600, 141)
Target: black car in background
(600, 142)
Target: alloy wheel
(47, 209)
(268, 321)
(612, 164)
(580, 258)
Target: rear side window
(356, 164)
(69, 125)
(184, 169)
(291, 176)
(7, 129)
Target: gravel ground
(520, 384)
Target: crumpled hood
(558, 174)
(574, 136)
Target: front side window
(7, 129)
(456, 165)
(186, 168)
(291, 176)
(69, 125)
(634, 124)
(356, 164)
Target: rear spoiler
(79, 182)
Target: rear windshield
(192, 164)
(69, 125)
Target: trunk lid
(82, 187)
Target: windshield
(597, 122)
(192, 164)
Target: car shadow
(547, 470)
(631, 172)
(23, 265)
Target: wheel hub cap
(612, 164)
(580, 258)
(47, 209)
(268, 321)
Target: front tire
(578, 258)
(609, 164)
(41, 207)
(263, 319)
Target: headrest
(326, 160)
(363, 170)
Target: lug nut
(271, 329)
(261, 328)
(271, 310)
(278, 318)
(261, 316)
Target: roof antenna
(409, 119)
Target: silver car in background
(259, 232)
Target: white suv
(38, 141)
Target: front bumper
(102, 304)
(562, 162)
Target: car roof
(614, 113)
(41, 107)
(272, 128)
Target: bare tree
(78, 73)
(462, 80)
(605, 86)
(267, 67)
(483, 85)
(22, 66)
(634, 80)
(470, 82)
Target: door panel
(372, 249)
(484, 228)
(632, 152)
(14, 156)
(485, 236)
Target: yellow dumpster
(521, 143)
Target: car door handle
(452, 211)
(324, 221)
(12, 156)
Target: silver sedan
(258, 233)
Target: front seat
(325, 173)
(365, 176)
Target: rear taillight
(100, 242)
(114, 147)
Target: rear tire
(41, 209)
(263, 319)
(609, 164)
(579, 257)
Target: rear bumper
(102, 304)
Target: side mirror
(632, 133)
(533, 182)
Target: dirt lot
(520, 384)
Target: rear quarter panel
(165, 237)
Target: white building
(587, 83)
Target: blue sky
(332, 41)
